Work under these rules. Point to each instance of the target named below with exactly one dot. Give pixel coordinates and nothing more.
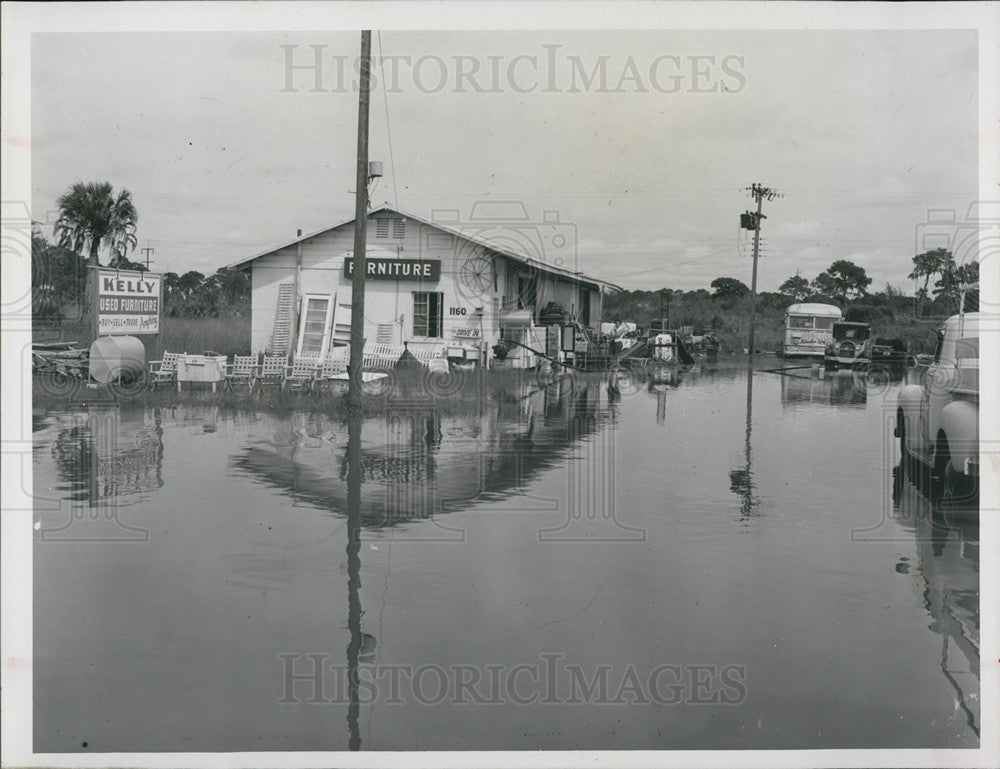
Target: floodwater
(565, 570)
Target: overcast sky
(863, 132)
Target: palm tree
(92, 217)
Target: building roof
(576, 277)
(814, 308)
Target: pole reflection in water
(355, 472)
(741, 481)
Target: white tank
(117, 358)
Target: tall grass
(223, 335)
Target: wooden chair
(242, 372)
(333, 370)
(164, 370)
(272, 372)
(301, 375)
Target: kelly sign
(397, 269)
(128, 302)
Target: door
(314, 325)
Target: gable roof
(576, 277)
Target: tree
(170, 292)
(92, 218)
(189, 283)
(122, 263)
(234, 286)
(844, 279)
(796, 287)
(953, 277)
(57, 276)
(824, 285)
(729, 288)
(926, 266)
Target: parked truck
(937, 419)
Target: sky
(639, 144)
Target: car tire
(953, 490)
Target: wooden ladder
(284, 319)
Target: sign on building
(397, 269)
(128, 302)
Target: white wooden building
(446, 288)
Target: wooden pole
(360, 229)
(759, 194)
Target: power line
(388, 132)
(674, 264)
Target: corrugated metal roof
(457, 232)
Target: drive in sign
(128, 302)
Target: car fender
(960, 425)
(910, 397)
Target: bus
(808, 329)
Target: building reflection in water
(414, 464)
(946, 578)
(418, 465)
(102, 455)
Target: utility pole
(758, 192)
(147, 251)
(360, 229)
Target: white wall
(391, 301)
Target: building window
(427, 315)
(314, 325)
(382, 227)
(399, 228)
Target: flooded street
(562, 570)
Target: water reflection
(101, 456)
(106, 453)
(416, 463)
(841, 390)
(947, 567)
(237, 575)
(741, 481)
(355, 474)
